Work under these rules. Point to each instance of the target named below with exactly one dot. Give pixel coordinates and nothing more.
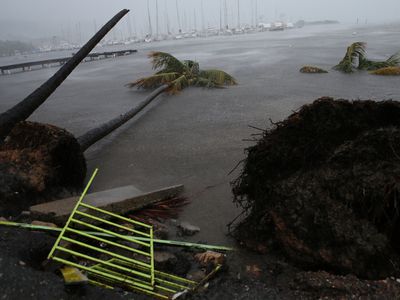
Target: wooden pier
(60, 61)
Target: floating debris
(129, 264)
(388, 71)
(311, 70)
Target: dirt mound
(37, 160)
(323, 187)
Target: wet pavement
(197, 137)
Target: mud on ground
(23, 275)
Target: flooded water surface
(197, 137)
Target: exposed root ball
(311, 69)
(389, 71)
(323, 186)
(35, 161)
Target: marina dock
(28, 66)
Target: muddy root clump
(323, 187)
(312, 70)
(37, 161)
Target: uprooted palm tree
(355, 58)
(37, 160)
(354, 53)
(370, 65)
(25, 108)
(174, 76)
(177, 75)
(34, 157)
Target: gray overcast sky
(40, 18)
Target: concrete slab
(118, 200)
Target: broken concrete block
(40, 223)
(188, 229)
(119, 201)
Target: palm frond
(165, 209)
(370, 65)
(192, 66)
(217, 77)
(154, 81)
(178, 84)
(167, 62)
(355, 53)
(394, 60)
(204, 82)
(181, 74)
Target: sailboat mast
(134, 24)
(226, 14)
(157, 27)
(129, 24)
(167, 18)
(194, 20)
(178, 16)
(202, 16)
(238, 16)
(256, 13)
(220, 15)
(148, 14)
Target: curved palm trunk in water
(26, 107)
(96, 134)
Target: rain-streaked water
(196, 137)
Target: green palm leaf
(354, 54)
(218, 77)
(155, 80)
(166, 62)
(178, 84)
(181, 74)
(370, 65)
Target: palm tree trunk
(26, 107)
(92, 136)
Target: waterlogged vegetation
(312, 69)
(178, 75)
(355, 59)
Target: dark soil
(24, 274)
(38, 161)
(322, 188)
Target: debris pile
(104, 248)
(311, 70)
(355, 59)
(388, 71)
(322, 187)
